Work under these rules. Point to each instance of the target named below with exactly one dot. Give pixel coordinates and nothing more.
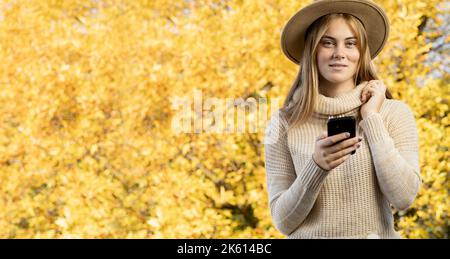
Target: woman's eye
(329, 43)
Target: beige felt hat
(371, 15)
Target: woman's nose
(337, 55)
(338, 51)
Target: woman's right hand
(330, 152)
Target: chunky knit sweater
(352, 200)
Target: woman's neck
(333, 90)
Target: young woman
(317, 188)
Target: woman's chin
(337, 79)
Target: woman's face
(338, 46)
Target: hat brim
(372, 16)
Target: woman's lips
(338, 67)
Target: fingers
(366, 93)
(334, 139)
(344, 152)
(345, 144)
(329, 153)
(340, 157)
(372, 87)
(363, 94)
(339, 161)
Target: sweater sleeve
(395, 153)
(291, 194)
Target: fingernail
(347, 134)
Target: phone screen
(342, 124)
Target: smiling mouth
(338, 68)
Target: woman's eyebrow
(326, 36)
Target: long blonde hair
(308, 76)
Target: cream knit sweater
(352, 200)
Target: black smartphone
(338, 125)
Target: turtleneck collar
(346, 103)
(341, 104)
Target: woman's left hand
(372, 97)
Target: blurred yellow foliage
(87, 149)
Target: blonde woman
(317, 188)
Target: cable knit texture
(352, 200)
